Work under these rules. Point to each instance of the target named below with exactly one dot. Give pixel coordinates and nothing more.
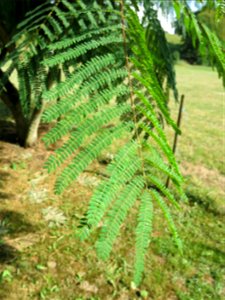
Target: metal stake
(176, 134)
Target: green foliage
(94, 95)
(198, 41)
(117, 214)
(220, 10)
(159, 48)
(214, 47)
(143, 232)
(113, 89)
(214, 19)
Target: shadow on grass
(12, 225)
(8, 254)
(3, 176)
(204, 201)
(16, 222)
(4, 195)
(208, 252)
(8, 131)
(13, 228)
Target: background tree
(25, 101)
(11, 13)
(207, 15)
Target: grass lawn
(41, 259)
(203, 124)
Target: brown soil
(212, 177)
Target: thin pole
(176, 134)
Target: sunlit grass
(203, 127)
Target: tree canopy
(206, 14)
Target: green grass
(173, 39)
(38, 261)
(202, 141)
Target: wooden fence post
(176, 134)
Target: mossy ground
(40, 257)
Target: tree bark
(10, 97)
(27, 131)
(32, 132)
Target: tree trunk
(11, 99)
(27, 131)
(32, 132)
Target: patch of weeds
(16, 166)
(89, 298)
(143, 294)
(3, 227)
(199, 287)
(164, 246)
(6, 275)
(45, 292)
(80, 277)
(113, 273)
(37, 196)
(40, 267)
(87, 180)
(54, 216)
(88, 287)
(197, 196)
(16, 222)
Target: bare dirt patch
(205, 187)
(211, 177)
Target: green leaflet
(89, 127)
(218, 52)
(84, 72)
(82, 49)
(89, 34)
(168, 217)
(143, 234)
(64, 106)
(120, 171)
(117, 215)
(85, 157)
(159, 185)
